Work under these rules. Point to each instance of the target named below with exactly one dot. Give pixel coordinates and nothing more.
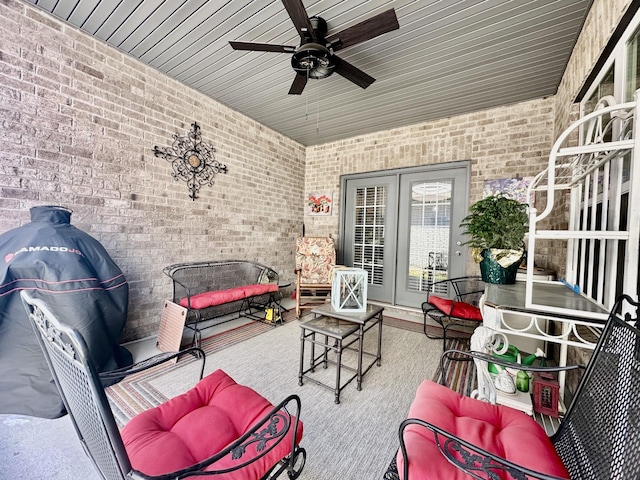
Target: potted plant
(496, 226)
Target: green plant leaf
(496, 222)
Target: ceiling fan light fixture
(313, 60)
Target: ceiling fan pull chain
(318, 113)
(306, 101)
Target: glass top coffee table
(336, 328)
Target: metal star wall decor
(193, 160)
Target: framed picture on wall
(515, 188)
(319, 203)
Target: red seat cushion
(197, 424)
(225, 296)
(259, 289)
(219, 297)
(460, 309)
(197, 302)
(501, 430)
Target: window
(632, 79)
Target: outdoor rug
(355, 439)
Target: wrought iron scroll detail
(192, 160)
(471, 463)
(264, 436)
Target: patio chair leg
(444, 338)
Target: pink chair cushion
(501, 430)
(460, 309)
(219, 297)
(197, 424)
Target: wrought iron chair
(315, 260)
(449, 436)
(217, 428)
(452, 302)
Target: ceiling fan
(315, 57)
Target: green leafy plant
(496, 222)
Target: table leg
(379, 362)
(325, 356)
(360, 348)
(279, 300)
(313, 350)
(338, 368)
(302, 339)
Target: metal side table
(338, 324)
(333, 331)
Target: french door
(402, 227)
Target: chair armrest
(167, 272)
(460, 289)
(273, 275)
(475, 294)
(467, 457)
(426, 307)
(119, 373)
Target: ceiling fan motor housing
(312, 58)
(319, 26)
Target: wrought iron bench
(450, 436)
(212, 289)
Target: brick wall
(79, 123)
(500, 143)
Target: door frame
(458, 164)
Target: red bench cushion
(460, 309)
(197, 424)
(501, 430)
(259, 289)
(219, 297)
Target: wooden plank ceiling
(448, 57)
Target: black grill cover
(82, 285)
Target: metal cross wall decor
(193, 161)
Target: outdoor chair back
(315, 260)
(451, 302)
(600, 434)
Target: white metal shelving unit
(600, 176)
(596, 183)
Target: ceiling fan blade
(365, 30)
(299, 17)
(298, 84)
(352, 73)
(262, 47)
